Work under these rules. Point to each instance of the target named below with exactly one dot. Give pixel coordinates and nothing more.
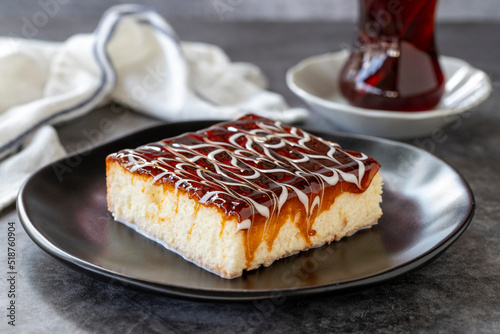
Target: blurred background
(231, 10)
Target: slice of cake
(242, 194)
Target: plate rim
(203, 294)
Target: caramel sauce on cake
(257, 170)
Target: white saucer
(315, 80)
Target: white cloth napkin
(133, 57)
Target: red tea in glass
(394, 65)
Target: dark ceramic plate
(426, 205)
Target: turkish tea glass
(394, 64)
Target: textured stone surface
(237, 10)
(456, 293)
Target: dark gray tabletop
(459, 292)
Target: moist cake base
(204, 235)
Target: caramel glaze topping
(256, 170)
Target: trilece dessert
(244, 193)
